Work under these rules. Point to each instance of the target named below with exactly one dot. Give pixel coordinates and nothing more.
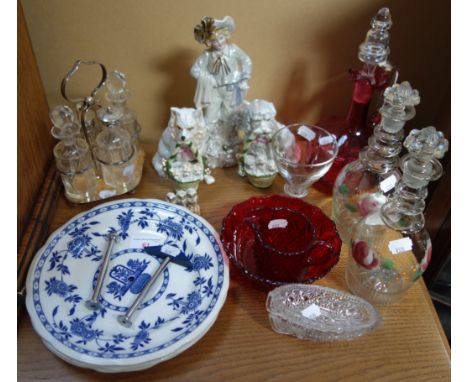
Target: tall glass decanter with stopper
(72, 156)
(352, 132)
(385, 73)
(117, 95)
(363, 186)
(391, 248)
(115, 153)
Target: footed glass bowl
(279, 240)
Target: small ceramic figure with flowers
(256, 160)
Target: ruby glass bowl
(278, 240)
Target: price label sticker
(170, 250)
(388, 183)
(400, 245)
(306, 133)
(107, 193)
(342, 140)
(278, 223)
(311, 311)
(326, 140)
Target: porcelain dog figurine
(186, 126)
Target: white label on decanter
(387, 184)
(342, 140)
(400, 245)
(128, 171)
(170, 250)
(311, 311)
(305, 132)
(107, 193)
(278, 223)
(326, 140)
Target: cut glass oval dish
(319, 313)
(179, 309)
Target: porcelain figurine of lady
(222, 72)
(256, 160)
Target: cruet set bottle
(116, 153)
(101, 157)
(73, 156)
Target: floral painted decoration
(364, 256)
(369, 203)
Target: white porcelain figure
(185, 125)
(256, 160)
(222, 72)
(181, 148)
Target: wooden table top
(241, 346)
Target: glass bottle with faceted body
(391, 248)
(362, 186)
(351, 132)
(72, 157)
(117, 95)
(115, 153)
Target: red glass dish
(277, 240)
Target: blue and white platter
(179, 309)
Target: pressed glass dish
(318, 313)
(277, 240)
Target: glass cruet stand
(352, 132)
(117, 95)
(363, 186)
(115, 153)
(72, 157)
(391, 248)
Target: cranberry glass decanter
(362, 186)
(351, 132)
(391, 248)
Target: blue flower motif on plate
(61, 281)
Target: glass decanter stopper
(391, 248)
(351, 132)
(362, 186)
(116, 153)
(385, 72)
(72, 156)
(117, 95)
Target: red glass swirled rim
(275, 201)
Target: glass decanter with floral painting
(375, 74)
(363, 186)
(391, 248)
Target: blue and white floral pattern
(65, 271)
